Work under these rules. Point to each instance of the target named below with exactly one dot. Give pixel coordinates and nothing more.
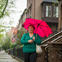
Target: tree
(6, 44)
(3, 7)
(4, 11)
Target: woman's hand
(33, 38)
(30, 41)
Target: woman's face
(30, 29)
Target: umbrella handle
(36, 35)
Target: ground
(4, 57)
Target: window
(55, 11)
(51, 11)
(48, 11)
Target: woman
(30, 40)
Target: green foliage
(19, 35)
(6, 44)
(13, 45)
(1, 40)
(3, 5)
(2, 30)
(1, 35)
(2, 26)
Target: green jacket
(30, 47)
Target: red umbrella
(41, 27)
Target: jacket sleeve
(24, 40)
(38, 40)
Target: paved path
(4, 57)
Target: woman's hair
(32, 26)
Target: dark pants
(30, 57)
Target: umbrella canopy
(41, 27)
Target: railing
(16, 52)
(52, 38)
(56, 41)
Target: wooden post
(60, 16)
(34, 9)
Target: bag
(38, 48)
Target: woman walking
(30, 40)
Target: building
(22, 19)
(60, 15)
(44, 9)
